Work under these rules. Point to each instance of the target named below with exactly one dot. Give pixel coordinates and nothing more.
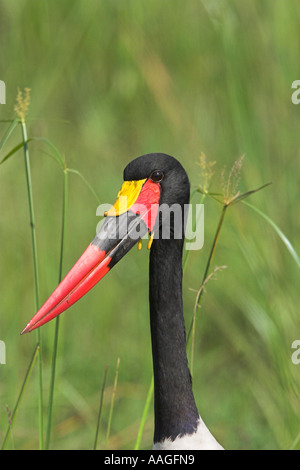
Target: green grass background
(111, 80)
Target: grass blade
(144, 415)
(76, 172)
(281, 235)
(295, 442)
(112, 403)
(100, 408)
(10, 129)
(15, 149)
(243, 196)
(55, 344)
(25, 382)
(35, 269)
(54, 151)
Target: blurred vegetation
(112, 80)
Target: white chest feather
(202, 439)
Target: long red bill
(112, 242)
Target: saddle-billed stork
(151, 182)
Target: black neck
(175, 408)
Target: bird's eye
(157, 176)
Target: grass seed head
(230, 186)
(22, 103)
(206, 172)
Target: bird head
(152, 183)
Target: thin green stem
(13, 416)
(199, 293)
(31, 213)
(112, 403)
(55, 344)
(35, 270)
(208, 264)
(100, 408)
(186, 255)
(213, 248)
(144, 415)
